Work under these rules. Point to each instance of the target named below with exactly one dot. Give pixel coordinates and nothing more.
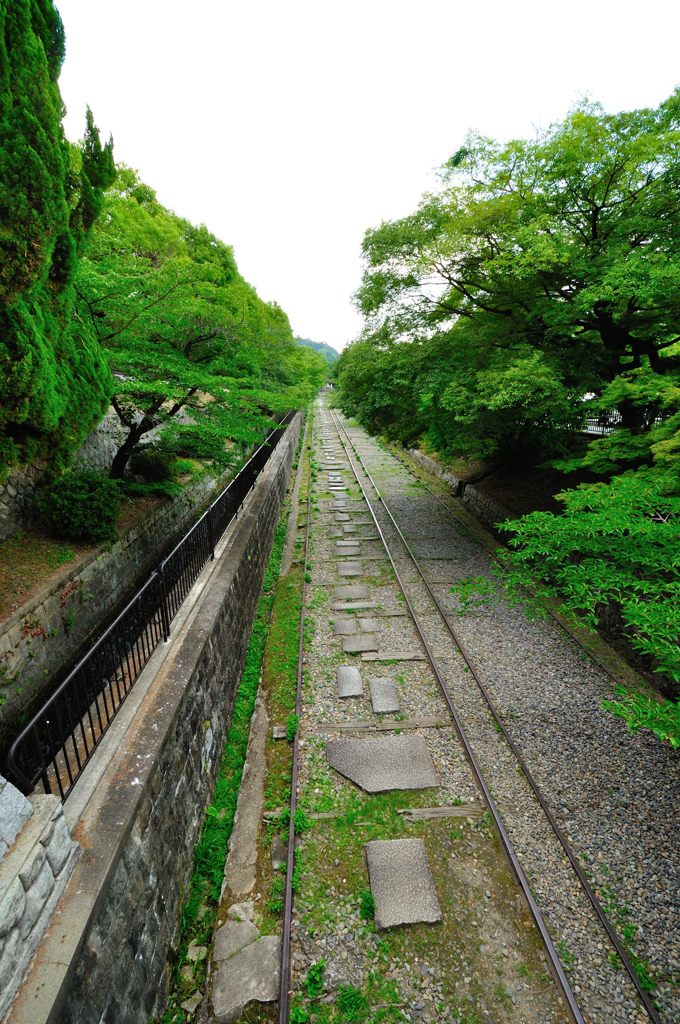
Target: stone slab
(369, 625)
(232, 936)
(352, 606)
(384, 696)
(360, 643)
(354, 543)
(394, 656)
(352, 593)
(349, 681)
(401, 883)
(342, 517)
(251, 974)
(345, 627)
(350, 569)
(344, 551)
(383, 763)
(350, 528)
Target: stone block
(349, 682)
(10, 955)
(401, 883)
(36, 898)
(15, 810)
(384, 763)
(59, 846)
(12, 904)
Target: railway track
(397, 549)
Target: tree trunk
(122, 456)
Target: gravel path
(485, 962)
(615, 794)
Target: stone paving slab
(352, 592)
(401, 882)
(345, 550)
(353, 543)
(384, 763)
(345, 627)
(384, 696)
(232, 936)
(369, 625)
(342, 517)
(350, 569)
(394, 656)
(352, 606)
(360, 643)
(349, 681)
(350, 528)
(252, 973)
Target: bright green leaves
(614, 553)
(54, 384)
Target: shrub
(152, 465)
(81, 506)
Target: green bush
(81, 506)
(152, 465)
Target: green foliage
(81, 506)
(642, 712)
(54, 383)
(615, 548)
(330, 354)
(352, 1004)
(367, 904)
(152, 465)
(314, 980)
(541, 270)
(197, 356)
(292, 727)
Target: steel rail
(518, 871)
(284, 969)
(535, 788)
(456, 515)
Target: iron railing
(60, 739)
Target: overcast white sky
(290, 126)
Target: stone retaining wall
(36, 859)
(480, 504)
(105, 955)
(48, 632)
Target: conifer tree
(54, 382)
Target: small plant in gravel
(367, 904)
(314, 979)
(352, 1004)
(302, 822)
(292, 727)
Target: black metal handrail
(60, 739)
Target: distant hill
(329, 353)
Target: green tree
(565, 245)
(197, 357)
(541, 271)
(54, 383)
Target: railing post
(165, 616)
(211, 533)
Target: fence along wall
(105, 955)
